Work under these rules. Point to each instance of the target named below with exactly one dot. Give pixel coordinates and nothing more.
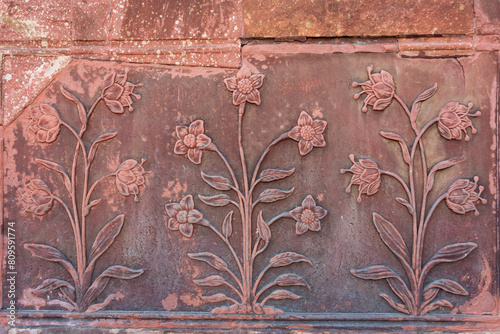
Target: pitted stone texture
(91, 20)
(322, 18)
(487, 17)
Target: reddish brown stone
(90, 20)
(487, 17)
(321, 18)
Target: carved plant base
(257, 309)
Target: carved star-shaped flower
(244, 86)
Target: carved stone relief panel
(292, 187)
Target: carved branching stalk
(77, 201)
(461, 197)
(245, 287)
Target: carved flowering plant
(76, 200)
(183, 217)
(416, 296)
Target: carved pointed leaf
(105, 237)
(426, 94)
(52, 254)
(291, 279)
(211, 259)
(95, 144)
(52, 284)
(448, 286)
(401, 290)
(217, 200)
(217, 298)
(374, 272)
(57, 168)
(287, 258)
(269, 175)
(430, 293)
(283, 294)
(214, 280)
(264, 230)
(451, 253)
(217, 182)
(82, 114)
(435, 305)
(397, 306)
(401, 141)
(391, 237)
(439, 166)
(86, 211)
(107, 300)
(227, 225)
(404, 201)
(273, 195)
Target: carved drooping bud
(117, 92)
(379, 90)
(45, 123)
(37, 197)
(129, 176)
(462, 196)
(366, 174)
(454, 119)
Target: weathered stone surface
(91, 20)
(487, 15)
(321, 18)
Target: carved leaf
(374, 272)
(404, 201)
(283, 294)
(52, 284)
(269, 175)
(57, 168)
(52, 254)
(426, 94)
(100, 139)
(401, 141)
(451, 253)
(435, 305)
(214, 280)
(211, 259)
(264, 230)
(217, 182)
(439, 166)
(82, 114)
(291, 279)
(401, 290)
(397, 306)
(227, 225)
(217, 298)
(391, 237)
(430, 294)
(449, 286)
(287, 258)
(105, 237)
(86, 211)
(273, 195)
(217, 200)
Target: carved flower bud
(192, 141)
(45, 123)
(308, 216)
(379, 90)
(454, 119)
(462, 196)
(37, 197)
(182, 215)
(117, 92)
(129, 176)
(366, 174)
(308, 132)
(244, 86)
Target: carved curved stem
(91, 110)
(257, 281)
(399, 179)
(404, 106)
(270, 285)
(236, 187)
(234, 289)
(256, 252)
(233, 300)
(94, 185)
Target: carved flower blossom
(244, 86)
(366, 176)
(462, 196)
(308, 216)
(192, 141)
(454, 118)
(45, 123)
(182, 215)
(308, 132)
(37, 197)
(116, 92)
(379, 90)
(129, 176)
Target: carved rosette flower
(192, 141)
(244, 86)
(129, 177)
(117, 92)
(462, 196)
(454, 119)
(308, 132)
(366, 174)
(37, 197)
(182, 215)
(45, 123)
(379, 90)
(308, 216)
